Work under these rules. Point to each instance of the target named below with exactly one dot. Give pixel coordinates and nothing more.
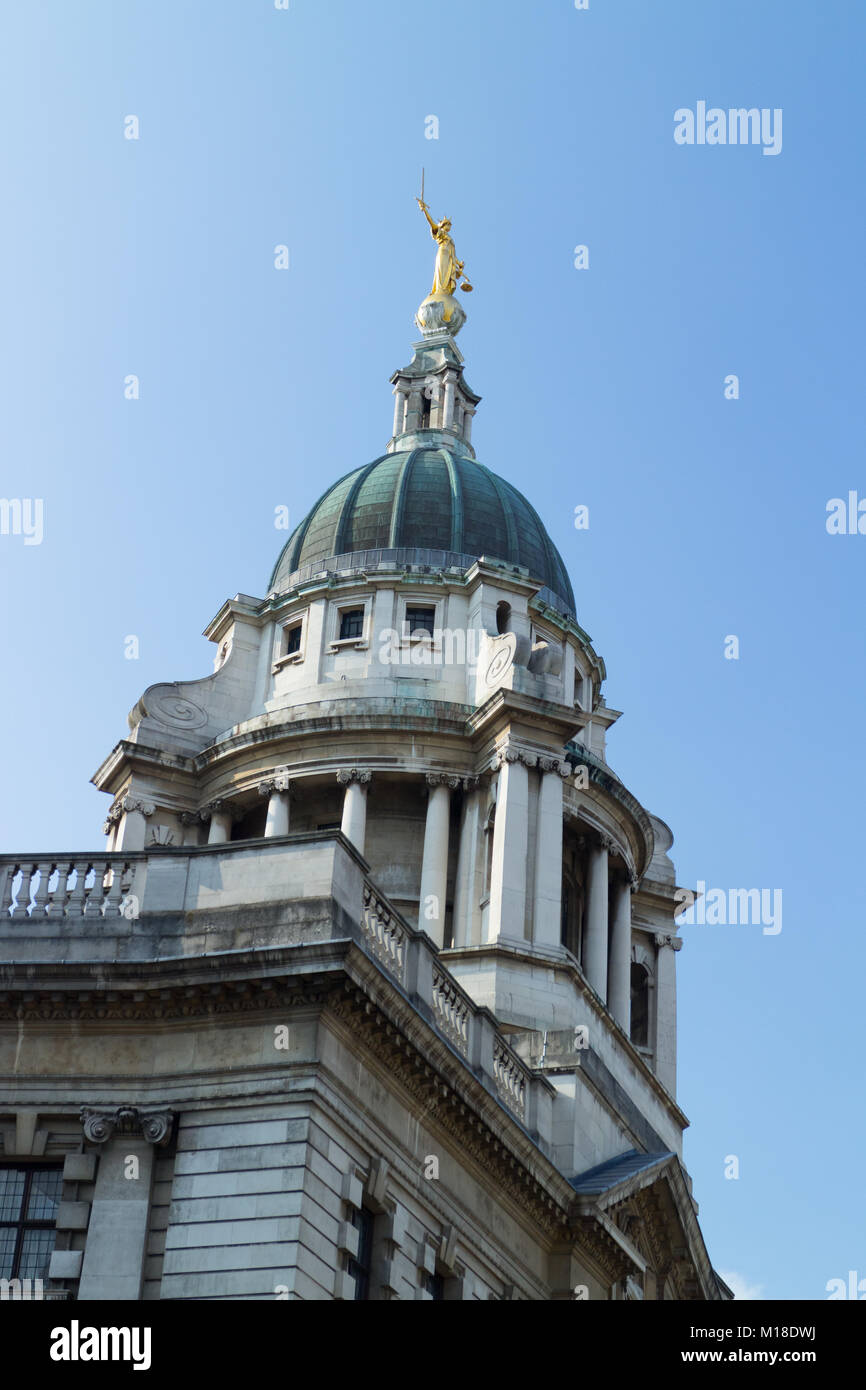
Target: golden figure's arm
(423, 206)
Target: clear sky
(603, 386)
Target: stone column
(619, 966)
(113, 1265)
(467, 423)
(220, 822)
(465, 883)
(448, 403)
(276, 789)
(667, 943)
(547, 908)
(354, 822)
(399, 409)
(507, 910)
(595, 947)
(434, 868)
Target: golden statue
(448, 269)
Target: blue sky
(602, 387)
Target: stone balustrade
(164, 904)
(67, 886)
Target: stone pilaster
(547, 907)
(465, 887)
(619, 966)
(434, 867)
(595, 943)
(113, 1265)
(510, 839)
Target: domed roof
(430, 500)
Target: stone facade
(371, 993)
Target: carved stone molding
(347, 775)
(153, 1123)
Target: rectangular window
(293, 640)
(351, 623)
(29, 1196)
(359, 1266)
(420, 619)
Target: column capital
(510, 754)
(219, 805)
(153, 1123)
(347, 775)
(470, 784)
(123, 804)
(189, 817)
(610, 845)
(668, 939)
(633, 883)
(546, 764)
(278, 781)
(442, 779)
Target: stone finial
(153, 1123)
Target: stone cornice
(126, 757)
(336, 976)
(376, 714)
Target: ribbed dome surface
(425, 499)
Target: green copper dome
(443, 505)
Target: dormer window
(351, 623)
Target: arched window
(639, 1005)
(503, 617)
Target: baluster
(6, 881)
(93, 906)
(112, 902)
(40, 899)
(75, 903)
(58, 898)
(22, 909)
